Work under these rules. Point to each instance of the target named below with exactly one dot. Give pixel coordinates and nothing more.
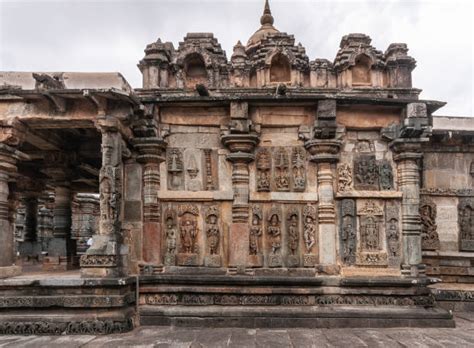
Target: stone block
(416, 110)
(275, 260)
(255, 260)
(239, 242)
(310, 260)
(170, 259)
(213, 261)
(292, 261)
(10, 271)
(188, 259)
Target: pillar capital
(323, 150)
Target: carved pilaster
(407, 158)
(104, 257)
(241, 142)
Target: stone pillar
(151, 151)
(241, 142)
(105, 257)
(324, 151)
(61, 248)
(8, 158)
(408, 158)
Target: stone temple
(264, 190)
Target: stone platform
(220, 300)
(65, 303)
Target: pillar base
(10, 271)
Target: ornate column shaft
(151, 151)
(241, 142)
(8, 158)
(409, 183)
(104, 257)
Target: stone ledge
(10, 271)
(294, 197)
(370, 194)
(189, 196)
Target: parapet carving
(293, 237)
(429, 233)
(274, 221)
(466, 224)
(213, 234)
(188, 231)
(348, 231)
(170, 235)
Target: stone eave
(305, 96)
(35, 95)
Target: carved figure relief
(192, 168)
(213, 237)
(366, 173)
(175, 169)
(293, 237)
(171, 234)
(344, 176)
(466, 223)
(212, 230)
(370, 227)
(392, 232)
(298, 166)
(188, 233)
(264, 165)
(429, 233)
(309, 235)
(348, 231)
(255, 231)
(282, 175)
(274, 234)
(386, 176)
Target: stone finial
(267, 17)
(239, 52)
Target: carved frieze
(170, 235)
(466, 224)
(281, 169)
(344, 178)
(274, 222)
(264, 165)
(188, 233)
(99, 260)
(175, 169)
(293, 237)
(348, 231)
(366, 173)
(429, 233)
(213, 235)
(298, 167)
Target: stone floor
(461, 336)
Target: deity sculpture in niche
(366, 173)
(429, 233)
(282, 177)
(344, 176)
(348, 231)
(188, 233)
(171, 234)
(255, 258)
(386, 176)
(274, 233)
(371, 250)
(264, 165)
(298, 165)
(309, 235)
(466, 223)
(213, 237)
(293, 237)
(175, 169)
(393, 236)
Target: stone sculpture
(348, 232)
(281, 174)
(274, 234)
(264, 165)
(344, 175)
(466, 223)
(213, 259)
(429, 233)
(298, 165)
(366, 173)
(293, 237)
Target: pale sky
(110, 35)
